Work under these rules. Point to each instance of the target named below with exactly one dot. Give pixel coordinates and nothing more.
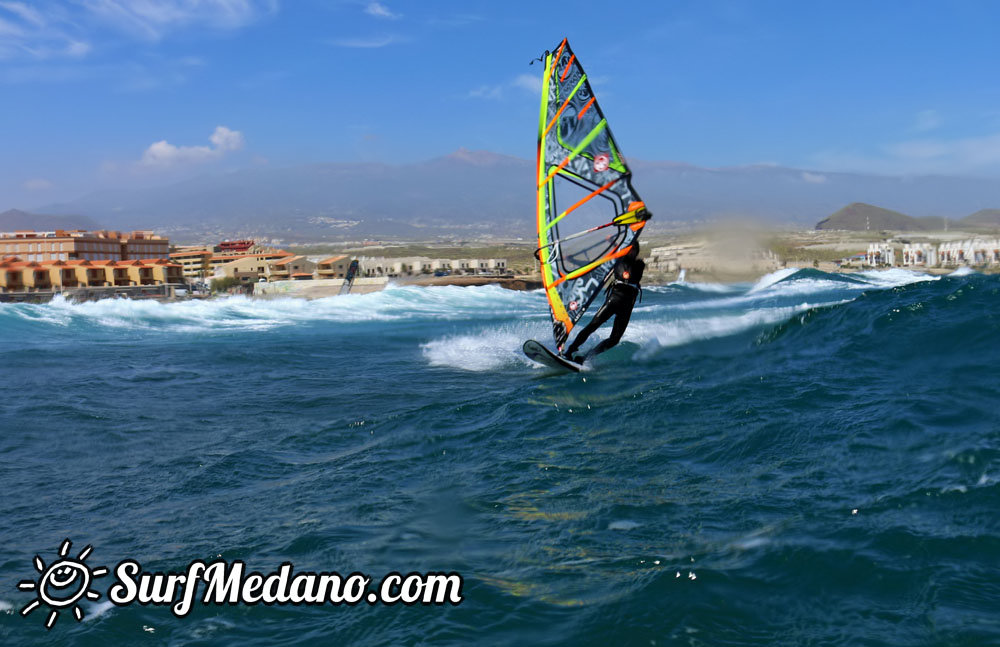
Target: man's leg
(603, 314)
(621, 323)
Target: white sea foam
(895, 277)
(654, 335)
(963, 271)
(701, 287)
(486, 350)
(783, 284)
(243, 313)
(768, 280)
(799, 288)
(98, 610)
(493, 348)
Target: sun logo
(62, 584)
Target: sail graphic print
(589, 214)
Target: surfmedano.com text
(227, 583)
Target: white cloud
(969, 152)
(25, 32)
(486, 92)
(530, 82)
(365, 43)
(946, 156)
(50, 30)
(163, 154)
(226, 140)
(77, 48)
(152, 19)
(379, 10)
(525, 82)
(8, 28)
(37, 184)
(926, 120)
(813, 178)
(24, 12)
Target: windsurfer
(622, 293)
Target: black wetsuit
(622, 294)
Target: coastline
(516, 283)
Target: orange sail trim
(583, 200)
(555, 61)
(556, 118)
(586, 268)
(586, 107)
(561, 166)
(569, 64)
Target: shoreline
(517, 283)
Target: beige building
(61, 245)
(417, 265)
(334, 267)
(271, 266)
(244, 263)
(17, 275)
(290, 268)
(195, 263)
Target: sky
(112, 94)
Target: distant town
(35, 265)
(92, 264)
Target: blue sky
(98, 94)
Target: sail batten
(589, 214)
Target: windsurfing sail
(588, 212)
(352, 271)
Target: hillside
(859, 216)
(983, 218)
(15, 220)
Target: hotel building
(18, 275)
(61, 245)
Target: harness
(617, 282)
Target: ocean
(812, 459)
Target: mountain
(472, 193)
(859, 216)
(983, 218)
(15, 220)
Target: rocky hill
(859, 216)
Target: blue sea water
(810, 460)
